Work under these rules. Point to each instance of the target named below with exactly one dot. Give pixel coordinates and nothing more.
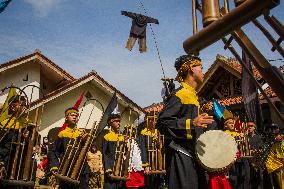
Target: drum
(216, 150)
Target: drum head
(216, 150)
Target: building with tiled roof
(56, 90)
(155, 107)
(223, 81)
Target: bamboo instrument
(159, 152)
(148, 149)
(28, 161)
(15, 159)
(75, 154)
(194, 19)
(118, 158)
(127, 158)
(238, 2)
(153, 166)
(82, 155)
(210, 11)
(66, 160)
(122, 156)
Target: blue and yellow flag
(220, 111)
(4, 4)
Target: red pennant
(239, 126)
(77, 104)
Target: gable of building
(33, 69)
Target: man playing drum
(181, 123)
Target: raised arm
(152, 20)
(129, 14)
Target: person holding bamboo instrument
(149, 139)
(66, 138)
(16, 129)
(110, 141)
(181, 122)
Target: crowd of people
(159, 153)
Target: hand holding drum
(203, 120)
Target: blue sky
(85, 35)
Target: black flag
(250, 95)
(103, 122)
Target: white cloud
(42, 7)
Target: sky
(85, 35)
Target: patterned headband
(185, 67)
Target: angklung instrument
(21, 167)
(243, 143)
(122, 154)
(155, 148)
(75, 157)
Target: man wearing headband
(109, 149)
(16, 110)
(229, 126)
(15, 128)
(255, 144)
(58, 149)
(255, 141)
(181, 123)
(147, 137)
(233, 173)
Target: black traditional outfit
(138, 30)
(15, 136)
(57, 151)
(14, 132)
(256, 176)
(109, 148)
(176, 122)
(153, 181)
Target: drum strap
(180, 149)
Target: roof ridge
(76, 81)
(37, 52)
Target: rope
(155, 41)
(158, 51)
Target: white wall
(17, 75)
(49, 83)
(54, 110)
